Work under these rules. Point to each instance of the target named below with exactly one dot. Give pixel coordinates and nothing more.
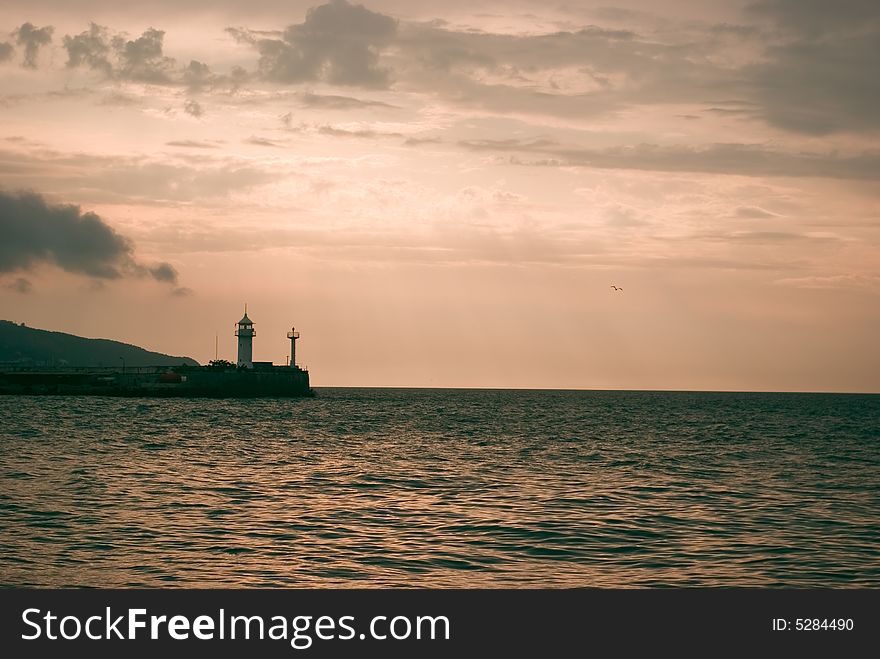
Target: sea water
(442, 488)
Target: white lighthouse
(245, 334)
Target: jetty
(219, 379)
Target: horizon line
(683, 391)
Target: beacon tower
(245, 333)
(293, 335)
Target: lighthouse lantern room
(245, 333)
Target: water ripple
(447, 488)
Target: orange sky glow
(443, 194)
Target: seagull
(616, 288)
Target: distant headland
(22, 346)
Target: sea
(442, 488)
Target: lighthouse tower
(293, 335)
(245, 334)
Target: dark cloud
(816, 74)
(338, 43)
(574, 74)
(236, 78)
(6, 51)
(116, 56)
(197, 76)
(723, 29)
(821, 87)
(739, 159)
(570, 73)
(820, 77)
(592, 48)
(618, 64)
(193, 108)
(20, 285)
(815, 18)
(32, 37)
(90, 48)
(36, 231)
(141, 59)
(164, 272)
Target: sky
(443, 194)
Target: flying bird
(616, 288)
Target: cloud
(338, 43)
(90, 48)
(119, 99)
(41, 97)
(159, 183)
(753, 212)
(261, 141)
(416, 141)
(141, 59)
(861, 282)
(815, 76)
(740, 159)
(327, 129)
(192, 144)
(593, 48)
(6, 51)
(821, 77)
(20, 285)
(766, 237)
(32, 37)
(804, 66)
(197, 76)
(334, 102)
(575, 73)
(193, 108)
(36, 231)
(131, 179)
(361, 132)
(822, 87)
(815, 18)
(164, 272)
